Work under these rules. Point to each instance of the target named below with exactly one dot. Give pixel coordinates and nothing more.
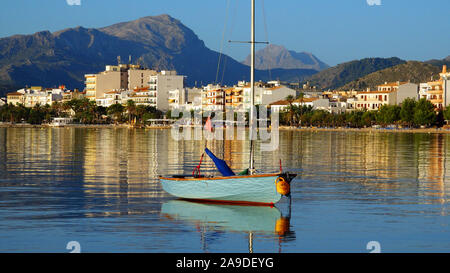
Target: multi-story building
(177, 98)
(386, 94)
(373, 100)
(138, 78)
(438, 92)
(435, 93)
(116, 78)
(234, 97)
(194, 98)
(445, 76)
(213, 98)
(160, 85)
(36, 95)
(15, 98)
(423, 90)
(266, 94)
(109, 99)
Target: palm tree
(290, 99)
(116, 111)
(131, 109)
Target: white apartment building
(387, 94)
(161, 84)
(213, 98)
(36, 95)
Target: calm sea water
(99, 187)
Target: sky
(335, 31)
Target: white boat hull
(254, 189)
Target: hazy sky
(335, 31)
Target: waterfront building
(109, 99)
(373, 100)
(177, 98)
(113, 78)
(437, 92)
(386, 94)
(315, 103)
(194, 98)
(69, 95)
(234, 98)
(423, 90)
(160, 85)
(36, 95)
(15, 98)
(406, 90)
(279, 106)
(138, 77)
(116, 78)
(213, 98)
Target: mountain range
(162, 43)
(412, 71)
(159, 42)
(277, 56)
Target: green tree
(131, 110)
(424, 113)
(407, 111)
(116, 112)
(388, 114)
(447, 113)
(368, 118)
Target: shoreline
(370, 130)
(441, 130)
(85, 126)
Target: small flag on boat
(208, 125)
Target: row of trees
(411, 113)
(84, 111)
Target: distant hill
(160, 42)
(440, 63)
(412, 71)
(276, 56)
(344, 73)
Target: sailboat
(250, 188)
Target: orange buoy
(282, 226)
(282, 186)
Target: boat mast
(252, 88)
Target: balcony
(434, 91)
(436, 101)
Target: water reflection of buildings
(433, 167)
(379, 161)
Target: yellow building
(15, 98)
(438, 92)
(234, 97)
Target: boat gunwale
(219, 177)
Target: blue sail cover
(220, 164)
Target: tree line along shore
(411, 114)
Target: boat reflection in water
(212, 216)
